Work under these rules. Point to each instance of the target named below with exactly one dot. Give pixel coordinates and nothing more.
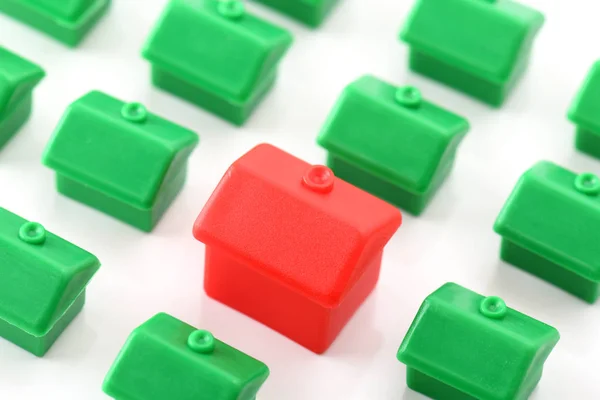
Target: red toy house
(292, 246)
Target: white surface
(143, 274)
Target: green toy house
(480, 47)
(550, 227)
(391, 142)
(584, 114)
(463, 346)
(216, 55)
(67, 21)
(42, 285)
(18, 78)
(309, 12)
(166, 358)
(119, 158)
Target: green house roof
(476, 344)
(117, 148)
(404, 144)
(487, 38)
(228, 52)
(18, 77)
(166, 358)
(555, 213)
(584, 109)
(65, 20)
(42, 274)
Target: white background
(143, 274)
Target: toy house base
(144, 219)
(236, 111)
(13, 118)
(412, 202)
(236, 285)
(38, 346)
(68, 32)
(310, 14)
(549, 271)
(436, 389)
(433, 388)
(119, 395)
(587, 142)
(486, 91)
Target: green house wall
(430, 387)
(38, 346)
(412, 202)
(587, 142)
(233, 110)
(549, 271)
(143, 219)
(13, 118)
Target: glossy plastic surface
(583, 113)
(392, 143)
(479, 47)
(464, 346)
(309, 12)
(166, 358)
(324, 236)
(43, 283)
(119, 158)
(229, 65)
(550, 226)
(18, 78)
(65, 20)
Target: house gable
(18, 77)
(39, 280)
(585, 106)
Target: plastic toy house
(583, 114)
(292, 246)
(550, 226)
(65, 20)
(391, 142)
(309, 12)
(18, 78)
(227, 67)
(463, 346)
(168, 359)
(480, 47)
(119, 158)
(43, 283)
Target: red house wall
(283, 308)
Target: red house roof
(296, 222)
